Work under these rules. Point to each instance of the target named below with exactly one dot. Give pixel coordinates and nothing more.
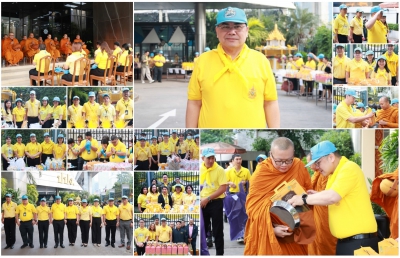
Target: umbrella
(224, 148)
(389, 5)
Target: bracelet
(208, 198)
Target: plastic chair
(84, 66)
(109, 74)
(48, 74)
(123, 76)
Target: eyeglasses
(227, 28)
(319, 161)
(281, 162)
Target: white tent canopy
(178, 36)
(152, 38)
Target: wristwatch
(304, 197)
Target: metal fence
(378, 49)
(368, 96)
(159, 132)
(125, 134)
(171, 218)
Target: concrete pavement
(230, 247)
(163, 105)
(68, 250)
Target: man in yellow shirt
(85, 221)
(341, 26)
(214, 182)
(32, 107)
(165, 149)
(357, 68)
(71, 213)
(174, 138)
(117, 50)
(345, 117)
(106, 113)
(238, 73)
(75, 114)
(141, 237)
(33, 151)
(59, 219)
(142, 135)
(395, 103)
(357, 28)
(124, 108)
(159, 61)
(8, 220)
(346, 195)
(44, 217)
(142, 156)
(393, 63)
(111, 221)
(116, 151)
(47, 148)
(125, 222)
(88, 148)
(19, 147)
(89, 111)
(7, 153)
(339, 65)
(376, 29)
(97, 222)
(26, 218)
(36, 62)
(164, 232)
(64, 114)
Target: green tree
(84, 195)
(23, 93)
(342, 141)
(211, 35)
(67, 196)
(32, 194)
(389, 152)
(3, 187)
(210, 136)
(257, 32)
(91, 198)
(321, 42)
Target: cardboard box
(365, 251)
(285, 191)
(388, 246)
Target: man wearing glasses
(229, 75)
(346, 195)
(281, 166)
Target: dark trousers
(394, 79)
(96, 72)
(111, 227)
(72, 228)
(68, 77)
(96, 230)
(58, 226)
(85, 226)
(43, 227)
(163, 159)
(19, 124)
(47, 124)
(357, 38)
(348, 247)
(33, 162)
(32, 120)
(74, 162)
(5, 163)
(142, 165)
(154, 166)
(35, 73)
(141, 250)
(213, 213)
(63, 124)
(158, 73)
(26, 230)
(343, 38)
(339, 81)
(80, 163)
(193, 243)
(45, 156)
(295, 83)
(9, 231)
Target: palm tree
(257, 32)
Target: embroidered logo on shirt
(229, 13)
(252, 93)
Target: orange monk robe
(259, 234)
(57, 43)
(22, 43)
(324, 243)
(65, 46)
(83, 45)
(8, 45)
(14, 55)
(30, 51)
(390, 115)
(51, 48)
(389, 204)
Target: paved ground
(231, 247)
(163, 105)
(68, 250)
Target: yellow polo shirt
(344, 112)
(72, 156)
(142, 198)
(341, 25)
(217, 178)
(97, 212)
(119, 148)
(25, 212)
(165, 148)
(37, 58)
(106, 113)
(190, 142)
(117, 51)
(392, 63)
(339, 66)
(75, 113)
(173, 141)
(33, 148)
(9, 209)
(32, 107)
(125, 108)
(142, 154)
(311, 64)
(19, 148)
(152, 235)
(377, 33)
(47, 148)
(177, 198)
(250, 82)
(43, 212)
(101, 60)
(153, 149)
(91, 111)
(85, 213)
(125, 211)
(57, 112)
(70, 62)
(357, 25)
(157, 60)
(7, 150)
(137, 144)
(163, 233)
(122, 59)
(7, 117)
(60, 150)
(152, 198)
(194, 149)
(348, 181)
(58, 211)
(71, 211)
(237, 177)
(382, 76)
(111, 212)
(97, 51)
(64, 108)
(85, 155)
(299, 62)
(189, 198)
(141, 234)
(19, 114)
(321, 66)
(182, 148)
(357, 69)
(44, 111)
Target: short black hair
(234, 156)
(165, 175)
(113, 137)
(80, 136)
(116, 43)
(141, 190)
(191, 187)
(88, 133)
(70, 140)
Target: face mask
(189, 137)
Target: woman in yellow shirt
(194, 148)
(101, 152)
(45, 112)
(142, 199)
(60, 149)
(6, 153)
(190, 197)
(57, 112)
(152, 232)
(182, 148)
(152, 196)
(100, 63)
(33, 151)
(18, 113)
(122, 60)
(177, 196)
(370, 59)
(85, 221)
(6, 113)
(73, 153)
(382, 72)
(154, 157)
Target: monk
(14, 55)
(31, 46)
(65, 45)
(57, 43)
(263, 236)
(51, 47)
(78, 39)
(8, 43)
(2, 42)
(40, 40)
(389, 204)
(325, 243)
(22, 42)
(387, 116)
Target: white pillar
(200, 27)
(368, 154)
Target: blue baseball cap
(174, 131)
(310, 55)
(165, 134)
(320, 150)
(142, 139)
(151, 54)
(84, 200)
(95, 200)
(56, 99)
(351, 93)
(360, 105)
(394, 101)
(153, 137)
(106, 95)
(18, 99)
(261, 156)
(32, 135)
(358, 10)
(376, 9)
(231, 14)
(45, 98)
(369, 52)
(208, 152)
(8, 195)
(320, 56)
(342, 6)
(75, 97)
(299, 55)
(381, 57)
(125, 89)
(46, 134)
(197, 53)
(32, 92)
(339, 45)
(161, 52)
(70, 199)
(91, 94)
(111, 199)
(357, 49)
(124, 197)
(206, 49)
(18, 135)
(196, 136)
(43, 199)
(24, 197)
(58, 197)
(60, 135)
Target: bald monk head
(31, 35)
(5, 36)
(78, 36)
(313, 167)
(49, 36)
(11, 35)
(282, 154)
(24, 37)
(384, 102)
(76, 47)
(55, 38)
(65, 36)
(42, 47)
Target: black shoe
(7, 246)
(41, 246)
(113, 246)
(56, 245)
(62, 246)
(24, 245)
(31, 246)
(45, 246)
(107, 244)
(12, 247)
(70, 244)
